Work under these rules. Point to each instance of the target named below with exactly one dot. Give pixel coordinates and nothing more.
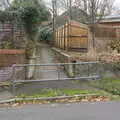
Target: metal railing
(31, 79)
(20, 74)
(5, 74)
(56, 71)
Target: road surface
(81, 111)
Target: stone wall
(108, 67)
(64, 58)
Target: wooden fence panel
(72, 36)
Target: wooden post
(62, 38)
(64, 35)
(67, 36)
(59, 37)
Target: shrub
(115, 45)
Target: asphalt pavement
(76, 111)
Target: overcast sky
(117, 3)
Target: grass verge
(55, 93)
(110, 86)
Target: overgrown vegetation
(45, 33)
(110, 85)
(7, 45)
(29, 13)
(115, 45)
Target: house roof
(111, 18)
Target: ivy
(30, 14)
(8, 16)
(30, 18)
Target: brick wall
(104, 35)
(9, 57)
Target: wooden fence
(72, 36)
(78, 37)
(104, 35)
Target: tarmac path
(75, 111)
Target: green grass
(106, 87)
(111, 85)
(55, 93)
(77, 92)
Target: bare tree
(8, 2)
(4, 4)
(96, 10)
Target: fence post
(98, 70)
(58, 86)
(88, 70)
(13, 81)
(58, 72)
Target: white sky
(117, 3)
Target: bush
(115, 45)
(8, 45)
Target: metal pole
(54, 6)
(58, 72)
(58, 87)
(88, 70)
(13, 82)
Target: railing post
(98, 70)
(58, 72)
(13, 81)
(58, 87)
(88, 70)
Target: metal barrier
(5, 74)
(57, 71)
(31, 79)
(45, 74)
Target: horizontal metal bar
(60, 79)
(53, 64)
(1, 74)
(43, 70)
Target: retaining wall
(7, 59)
